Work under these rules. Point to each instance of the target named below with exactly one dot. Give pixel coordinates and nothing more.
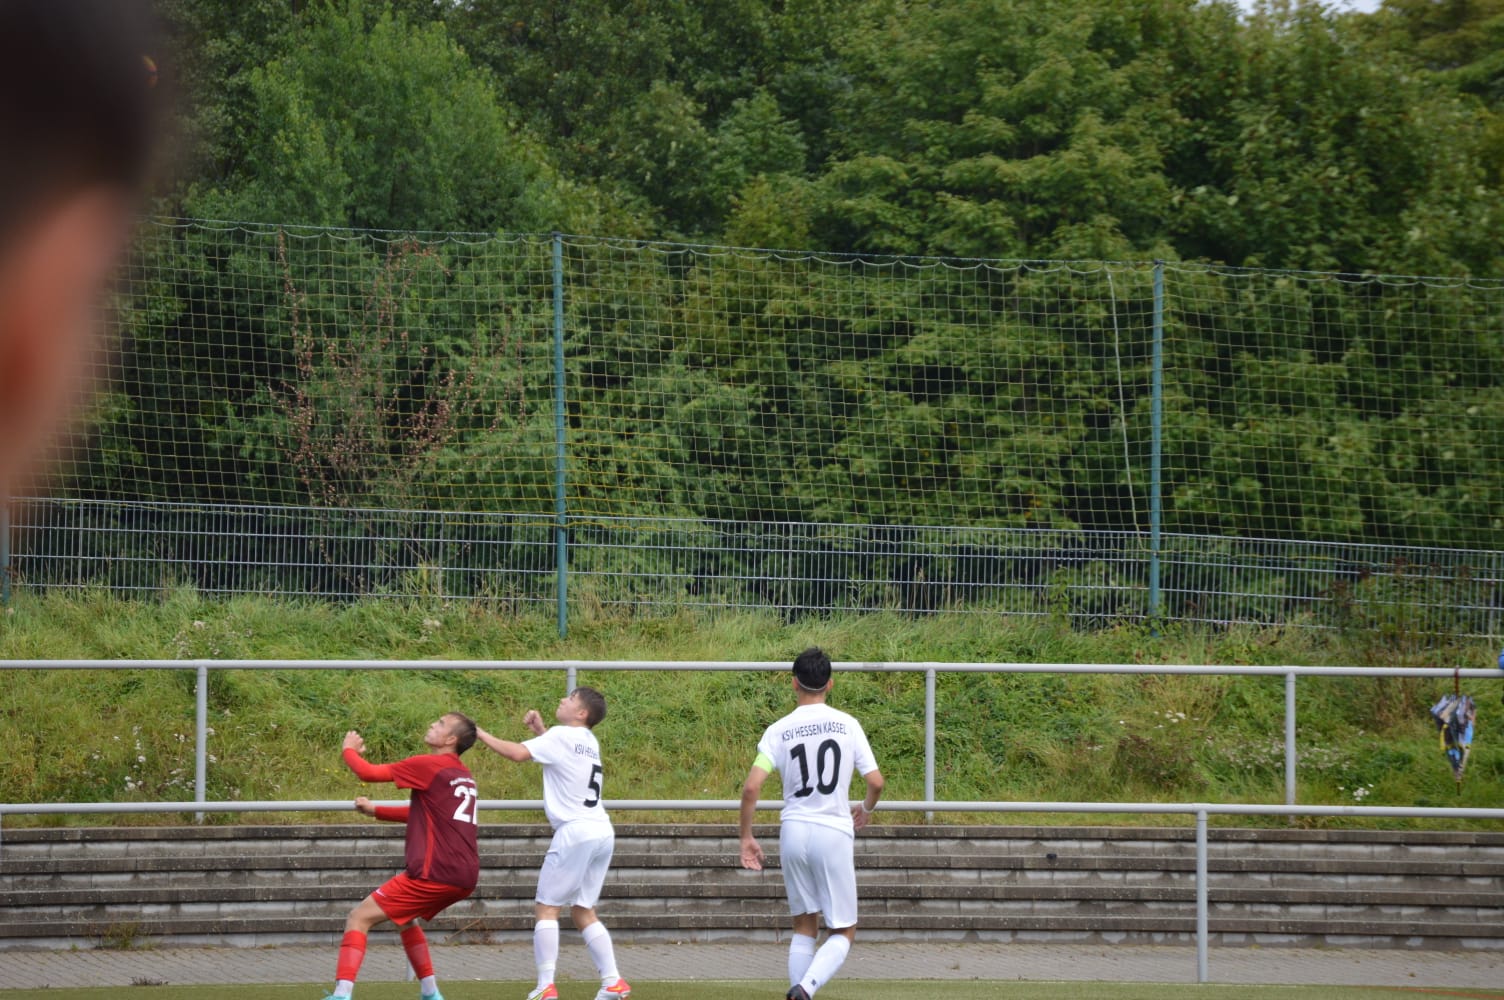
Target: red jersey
(441, 820)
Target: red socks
(416, 946)
(352, 951)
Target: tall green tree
(211, 50)
(370, 120)
(1461, 43)
(1309, 145)
(1005, 128)
(1461, 40)
(1289, 138)
(651, 100)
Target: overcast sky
(1363, 5)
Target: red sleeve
(393, 814)
(365, 770)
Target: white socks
(598, 940)
(826, 962)
(546, 950)
(801, 953)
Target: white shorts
(574, 870)
(819, 872)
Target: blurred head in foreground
(77, 124)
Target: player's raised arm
(752, 856)
(511, 751)
(352, 749)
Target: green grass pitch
(849, 989)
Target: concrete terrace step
(344, 889)
(266, 884)
(1480, 907)
(906, 918)
(20, 844)
(755, 925)
(376, 846)
(670, 859)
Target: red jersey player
(443, 861)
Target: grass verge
(128, 735)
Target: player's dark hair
(595, 705)
(812, 669)
(78, 105)
(464, 726)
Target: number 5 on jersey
(594, 786)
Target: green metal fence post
(1156, 443)
(4, 552)
(561, 534)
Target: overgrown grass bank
(124, 735)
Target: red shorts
(405, 899)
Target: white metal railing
(572, 667)
(1200, 810)
(929, 805)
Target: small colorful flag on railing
(1454, 715)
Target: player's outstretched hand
(751, 854)
(354, 742)
(363, 806)
(860, 817)
(534, 721)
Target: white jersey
(815, 748)
(572, 776)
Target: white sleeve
(544, 747)
(865, 762)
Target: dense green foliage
(298, 367)
(1296, 137)
(276, 364)
(1024, 737)
(364, 373)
